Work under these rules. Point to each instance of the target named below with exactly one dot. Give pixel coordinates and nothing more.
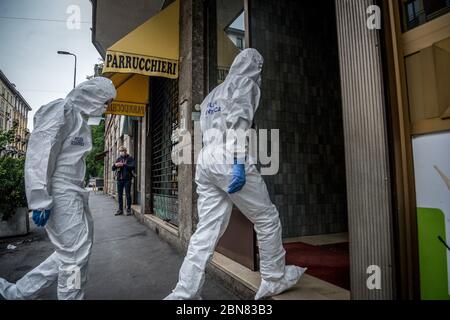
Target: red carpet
(329, 262)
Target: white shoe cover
(271, 288)
(174, 296)
(6, 289)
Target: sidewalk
(128, 260)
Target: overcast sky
(31, 32)
(239, 22)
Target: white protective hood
(231, 106)
(90, 96)
(247, 63)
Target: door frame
(400, 44)
(240, 230)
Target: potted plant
(14, 218)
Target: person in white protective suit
(220, 184)
(54, 175)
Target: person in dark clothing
(124, 168)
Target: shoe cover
(174, 296)
(7, 290)
(271, 288)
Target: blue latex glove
(238, 180)
(40, 217)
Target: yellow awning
(152, 49)
(132, 94)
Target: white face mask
(94, 121)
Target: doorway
(301, 98)
(227, 34)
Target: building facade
(14, 113)
(356, 89)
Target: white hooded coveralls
(231, 106)
(54, 175)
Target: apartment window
(418, 12)
(226, 31)
(240, 43)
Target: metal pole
(75, 67)
(75, 72)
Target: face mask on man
(122, 154)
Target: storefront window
(226, 35)
(164, 172)
(418, 12)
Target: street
(128, 260)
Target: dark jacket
(125, 172)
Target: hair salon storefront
(140, 70)
(358, 110)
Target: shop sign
(148, 66)
(127, 109)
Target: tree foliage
(12, 185)
(95, 168)
(12, 180)
(7, 137)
